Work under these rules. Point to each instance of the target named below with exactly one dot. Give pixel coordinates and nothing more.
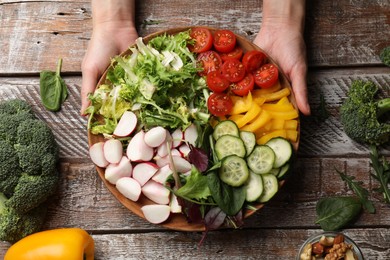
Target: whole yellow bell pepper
(56, 244)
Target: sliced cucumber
(226, 127)
(233, 171)
(270, 187)
(229, 145)
(283, 171)
(275, 171)
(249, 140)
(253, 186)
(282, 149)
(261, 160)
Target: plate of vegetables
(193, 128)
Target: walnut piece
(338, 251)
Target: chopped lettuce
(159, 80)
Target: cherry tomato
(224, 40)
(253, 60)
(243, 87)
(203, 40)
(210, 61)
(216, 82)
(236, 53)
(219, 104)
(233, 70)
(266, 76)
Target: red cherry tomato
(216, 82)
(233, 70)
(203, 40)
(224, 40)
(243, 87)
(266, 76)
(236, 53)
(253, 60)
(219, 104)
(210, 61)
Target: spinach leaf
(334, 213)
(229, 199)
(53, 89)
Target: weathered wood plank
(36, 33)
(238, 244)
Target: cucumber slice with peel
(282, 149)
(253, 186)
(261, 160)
(249, 140)
(270, 187)
(226, 127)
(229, 145)
(233, 171)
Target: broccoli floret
(385, 56)
(15, 226)
(360, 114)
(9, 170)
(28, 169)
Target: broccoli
(28, 170)
(360, 114)
(385, 56)
(15, 226)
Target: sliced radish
(156, 192)
(175, 152)
(174, 204)
(155, 136)
(162, 150)
(156, 214)
(184, 150)
(96, 152)
(177, 137)
(126, 124)
(162, 161)
(138, 150)
(113, 150)
(191, 134)
(142, 172)
(181, 164)
(116, 171)
(129, 188)
(162, 174)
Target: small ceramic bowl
(316, 238)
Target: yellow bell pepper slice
(292, 135)
(278, 107)
(241, 104)
(283, 100)
(260, 121)
(56, 244)
(292, 114)
(249, 116)
(277, 124)
(263, 91)
(291, 124)
(277, 133)
(284, 92)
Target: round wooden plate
(179, 221)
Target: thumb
(299, 86)
(88, 85)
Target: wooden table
(344, 39)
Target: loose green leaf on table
(358, 189)
(53, 89)
(382, 173)
(334, 213)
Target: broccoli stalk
(360, 114)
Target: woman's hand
(113, 32)
(281, 36)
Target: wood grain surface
(343, 41)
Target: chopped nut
(338, 239)
(306, 254)
(338, 251)
(317, 248)
(326, 241)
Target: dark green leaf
(335, 213)
(53, 89)
(195, 186)
(382, 173)
(229, 199)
